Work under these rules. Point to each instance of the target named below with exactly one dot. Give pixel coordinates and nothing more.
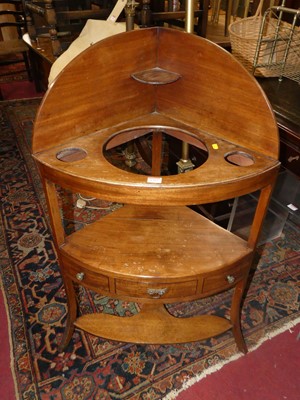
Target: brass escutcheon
(80, 276)
(230, 278)
(156, 293)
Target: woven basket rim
(243, 21)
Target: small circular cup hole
(239, 158)
(71, 154)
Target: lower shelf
(153, 325)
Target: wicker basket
(269, 61)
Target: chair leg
(27, 65)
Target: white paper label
(118, 8)
(292, 207)
(154, 179)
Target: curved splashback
(213, 93)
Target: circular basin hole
(155, 151)
(239, 158)
(71, 154)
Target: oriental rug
(96, 368)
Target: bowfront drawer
(93, 280)
(222, 280)
(150, 290)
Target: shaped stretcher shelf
(165, 328)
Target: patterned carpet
(94, 368)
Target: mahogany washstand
(155, 250)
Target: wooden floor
(216, 31)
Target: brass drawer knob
(230, 278)
(80, 276)
(156, 293)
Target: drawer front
(219, 281)
(80, 275)
(150, 290)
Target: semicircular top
(163, 78)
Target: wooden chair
(60, 22)
(12, 27)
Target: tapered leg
(72, 313)
(235, 316)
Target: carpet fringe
(190, 382)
